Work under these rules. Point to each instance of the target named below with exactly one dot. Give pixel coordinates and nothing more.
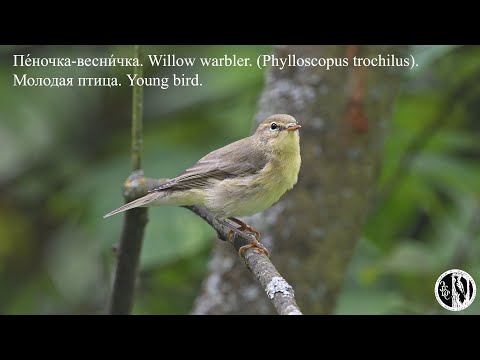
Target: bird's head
(279, 132)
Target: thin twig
(121, 302)
(278, 290)
(137, 115)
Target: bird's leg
(244, 226)
(259, 246)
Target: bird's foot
(253, 243)
(247, 227)
(259, 248)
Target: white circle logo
(455, 290)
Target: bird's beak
(292, 127)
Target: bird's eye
(273, 126)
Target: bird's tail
(147, 199)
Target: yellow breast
(248, 195)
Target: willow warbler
(239, 179)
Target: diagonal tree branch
(131, 239)
(278, 290)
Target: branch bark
(278, 290)
(131, 239)
(314, 228)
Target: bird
(240, 179)
(459, 285)
(459, 288)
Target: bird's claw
(252, 231)
(259, 248)
(247, 227)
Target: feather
(234, 160)
(145, 200)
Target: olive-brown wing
(237, 159)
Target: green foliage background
(65, 153)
